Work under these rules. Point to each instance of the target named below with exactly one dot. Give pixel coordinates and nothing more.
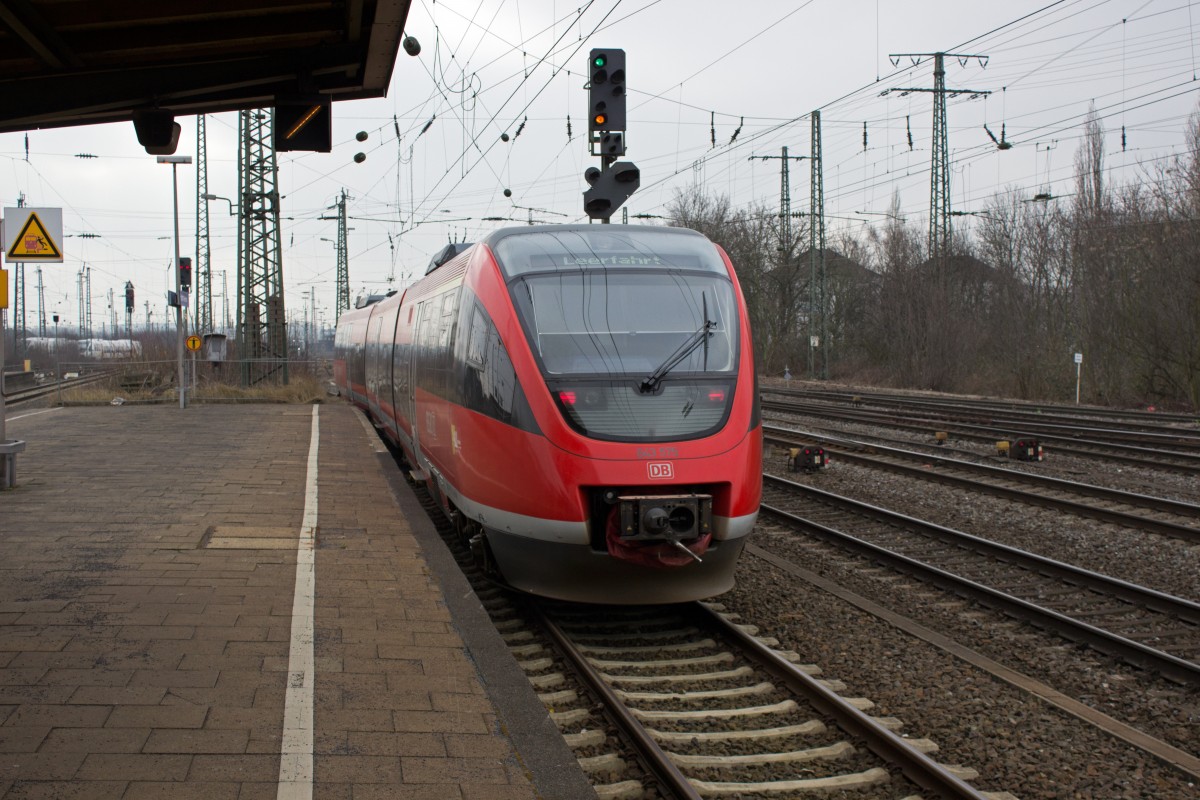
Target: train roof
(362, 301)
(496, 235)
(447, 253)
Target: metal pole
(1078, 368)
(180, 317)
(3, 314)
(57, 363)
(178, 295)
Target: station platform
(233, 602)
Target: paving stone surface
(145, 616)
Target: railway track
(707, 709)
(1143, 627)
(1129, 420)
(681, 702)
(617, 762)
(1179, 461)
(1172, 518)
(46, 389)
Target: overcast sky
(698, 71)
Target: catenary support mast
(939, 181)
(261, 318)
(203, 277)
(818, 298)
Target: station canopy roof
(79, 62)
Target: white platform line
(296, 753)
(33, 414)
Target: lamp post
(232, 213)
(175, 161)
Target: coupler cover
(658, 517)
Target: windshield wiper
(650, 383)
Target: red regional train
(582, 401)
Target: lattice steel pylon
(939, 181)
(785, 200)
(20, 343)
(343, 260)
(939, 194)
(261, 317)
(20, 330)
(818, 299)
(203, 276)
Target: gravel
(1018, 743)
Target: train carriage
(582, 401)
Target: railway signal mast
(613, 183)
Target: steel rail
(1149, 420)
(1172, 667)
(656, 761)
(918, 767)
(1172, 529)
(1141, 456)
(25, 395)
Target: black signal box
(303, 125)
(606, 90)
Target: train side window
(485, 380)
(447, 318)
(477, 341)
(425, 329)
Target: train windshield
(635, 331)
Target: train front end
(639, 369)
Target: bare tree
(769, 273)
(1114, 274)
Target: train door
(387, 350)
(418, 352)
(375, 366)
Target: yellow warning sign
(33, 243)
(193, 343)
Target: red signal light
(567, 398)
(717, 396)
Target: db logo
(662, 471)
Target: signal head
(606, 90)
(591, 175)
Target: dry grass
(301, 388)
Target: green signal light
(599, 61)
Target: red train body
(581, 400)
